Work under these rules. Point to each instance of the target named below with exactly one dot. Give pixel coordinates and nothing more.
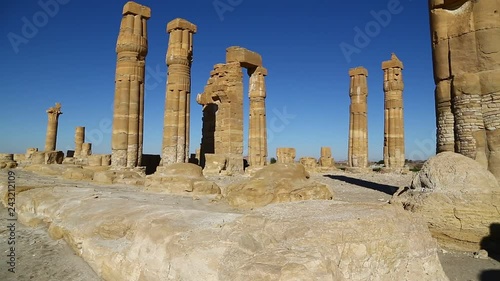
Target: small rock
(482, 254)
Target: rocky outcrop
(458, 197)
(180, 178)
(127, 235)
(7, 161)
(274, 184)
(321, 240)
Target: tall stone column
(175, 147)
(358, 122)
(466, 53)
(394, 143)
(128, 112)
(257, 136)
(51, 136)
(79, 140)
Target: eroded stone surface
(171, 238)
(7, 161)
(459, 199)
(180, 178)
(274, 184)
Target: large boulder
(324, 240)
(125, 235)
(457, 196)
(180, 178)
(274, 184)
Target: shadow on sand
(491, 244)
(388, 189)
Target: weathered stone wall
(222, 102)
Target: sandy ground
(41, 258)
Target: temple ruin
(285, 155)
(222, 102)
(52, 124)
(175, 147)
(394, 142)
(466, 54)
(128, 111)
(326, 159)
(358, 121)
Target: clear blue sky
(70, 58)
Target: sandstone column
(128, 112)
(257, 136)
(175, 148)
(358, 123)
(79, 140)
(466, 52)
(51, 136)
(394, 144)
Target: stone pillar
(466, 53)
(394, 144)
(86, 149)
(79, 140)
(326, 160)
(257, 135)
(285, 155)
(175, 147)
(51, 136)
(128, 112)
(358, 123)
